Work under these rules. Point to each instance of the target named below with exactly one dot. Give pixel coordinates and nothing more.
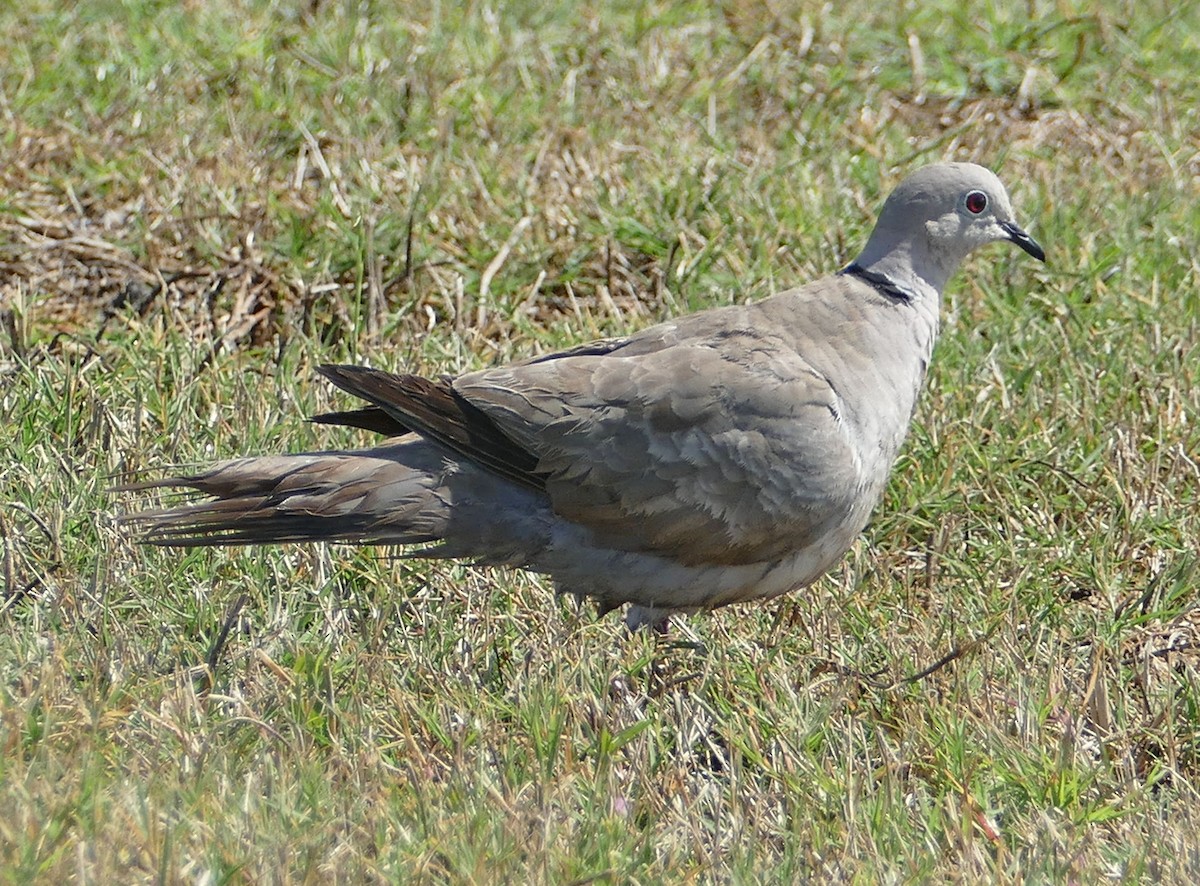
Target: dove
(731, 455)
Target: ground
(201, 201)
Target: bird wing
(709, 441)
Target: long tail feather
(365, 497)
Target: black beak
(1023, 240)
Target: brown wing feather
(433, 409)
(370, 418)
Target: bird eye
(976, 202)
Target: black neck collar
(881, 283)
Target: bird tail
(387, 495)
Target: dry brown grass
(253, 188)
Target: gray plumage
(730, 455)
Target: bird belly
(616, 577)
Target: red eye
(976, 202)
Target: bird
(730, 455)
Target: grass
(201, 201)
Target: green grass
(201, 201)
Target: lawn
(201, 201)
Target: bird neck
(909, 265)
